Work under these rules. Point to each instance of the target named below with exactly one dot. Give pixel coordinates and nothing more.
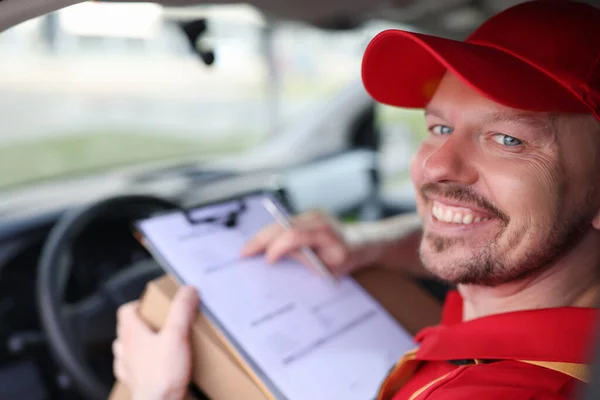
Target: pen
(306, 252)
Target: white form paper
(308, 338)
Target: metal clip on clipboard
(228, 219)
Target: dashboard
(27, 370)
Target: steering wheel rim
(53, 276)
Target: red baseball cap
(541, 55)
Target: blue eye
(506, 140)
(441, 130)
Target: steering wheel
(71, 328)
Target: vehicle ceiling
(449, 18)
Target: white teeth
(449, 216)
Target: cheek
(526, 191)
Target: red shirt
(493, 357)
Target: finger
(119, 371)
(124, 311)
(292, 241)
(129, 322)
(334, 255)
(117, 348)
(310, 217)
(120, 324)
(260, 241)
(123, 316)
(182, 314)
(318, 221)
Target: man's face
(502, 192)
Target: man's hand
(315, 230)
(156, 366)
(390, 243)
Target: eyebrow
(432, 111)
(522, 119)
(535, 122)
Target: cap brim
(403, 69)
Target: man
(508, 192)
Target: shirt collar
(562, 334)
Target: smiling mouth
(458, 215)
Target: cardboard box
(223, 375)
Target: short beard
(490, 267)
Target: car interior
(116, 110)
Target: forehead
(457, 102)
(457, 97)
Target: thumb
(184, 309)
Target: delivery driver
(508, 192)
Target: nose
(451, 162)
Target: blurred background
(98, 85)
(189, 104)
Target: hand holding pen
(313, 237)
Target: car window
(402, 131)
(100, 85)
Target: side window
(401, 132)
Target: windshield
(99, 85)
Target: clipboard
(232, 210)
(228, 219)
